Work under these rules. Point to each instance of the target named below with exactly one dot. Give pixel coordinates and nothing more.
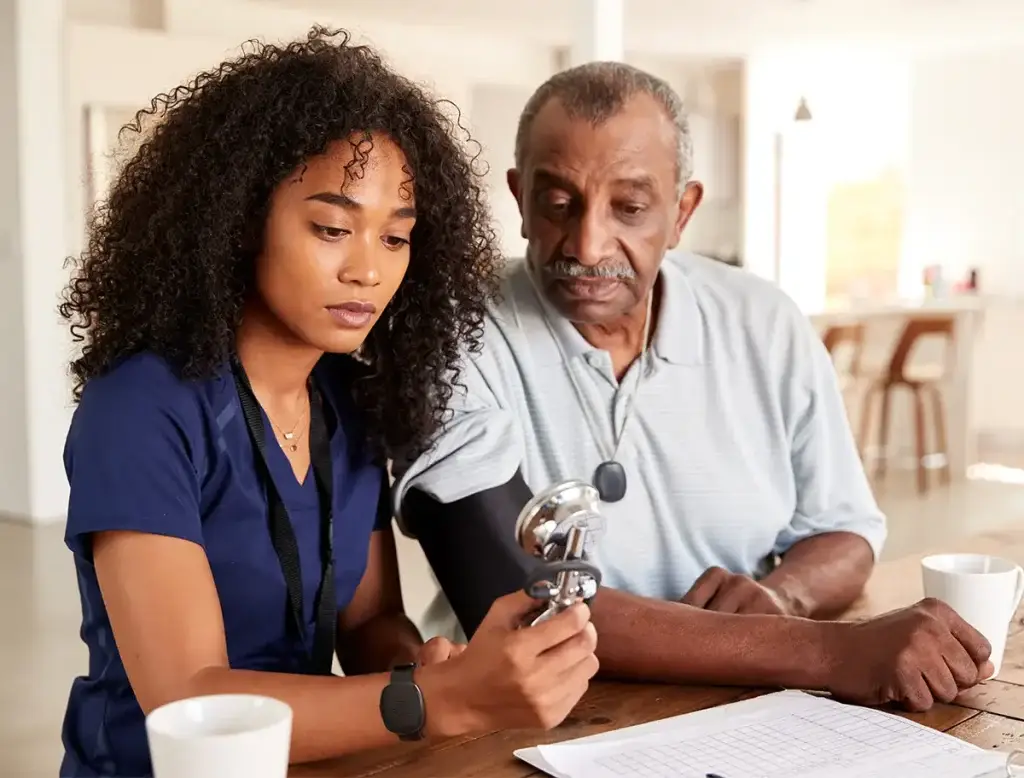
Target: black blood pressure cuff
(471, 545)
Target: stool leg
(865, 421)
(940, 431)
(883, 432)
(922, 473)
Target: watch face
(401, 707)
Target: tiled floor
(39, 611)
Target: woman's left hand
(438, 650)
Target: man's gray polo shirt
(739, 444)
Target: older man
(701, 403)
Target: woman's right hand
(509, 677)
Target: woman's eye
(330, 233)
(395, 242)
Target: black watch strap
(401, 704)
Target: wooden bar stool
(845, 339)
(920, 381)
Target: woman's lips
(353, 315)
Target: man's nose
(590, 241)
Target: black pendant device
(610, 481)
(610, 476)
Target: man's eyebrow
(344, 201)
(643, 182)
(553, 179)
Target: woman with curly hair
(273, 296)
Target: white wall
(965, 203)
(202, 34)
(713, 94)
(859, 100)
(966, 170)
(34, 410)
(494, 112)
(14, 465)
(121, 13)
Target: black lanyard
(283, 534)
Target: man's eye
(555, 207)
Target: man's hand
(437, 650)
(725, 592)
(915, 657)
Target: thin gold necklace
(291, 438)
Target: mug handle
(1018, 593)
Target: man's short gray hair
(596, 91)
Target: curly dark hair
(170, 255)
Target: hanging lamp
(803, 111)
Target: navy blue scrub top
(150, 452)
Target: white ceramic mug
(220, 736)
(984, 590)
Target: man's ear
(515, 183)
(692, 195)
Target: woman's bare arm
(166, 617)
(165, 613)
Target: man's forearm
(654, 640)
(820, 577)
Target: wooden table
(991, 715)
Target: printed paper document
(782, 735)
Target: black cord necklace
(610, 476)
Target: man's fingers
(973, 641)
(961, 666)
(915, 693)
(940, 682)
(704, 589)
(730, 598)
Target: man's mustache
(567, 268)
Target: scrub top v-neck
(149, 452)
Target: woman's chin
(343, 342)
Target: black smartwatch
(401, 704)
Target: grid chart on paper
(774, 748)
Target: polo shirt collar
(680, 336)
(678, 339)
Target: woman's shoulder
(142, 391)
